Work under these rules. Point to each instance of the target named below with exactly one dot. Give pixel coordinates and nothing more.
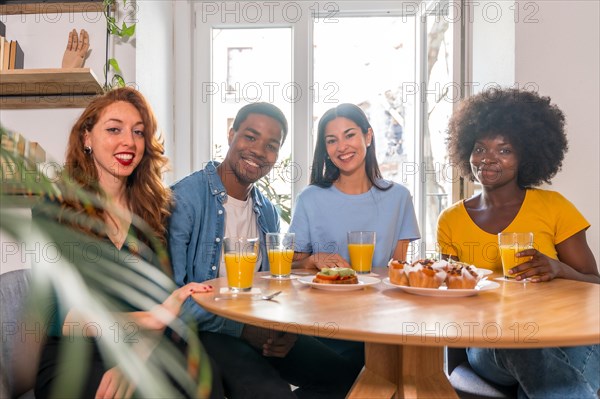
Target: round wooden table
(405, 334)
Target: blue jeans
(566, 372)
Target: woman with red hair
(115, 156)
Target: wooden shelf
(48, 88)
(50, 7)
(16, 189)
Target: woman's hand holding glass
(538, 269)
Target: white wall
(560, 53)
(155, 73)
(493, 44)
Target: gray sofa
(22, 337)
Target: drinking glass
(280, 248)
(510, 244)
(240, 260)
(361, 245)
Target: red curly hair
(146, 180)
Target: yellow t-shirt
(549, 215)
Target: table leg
(370, 385)
(411, 371)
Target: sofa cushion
(469, 385)
(21, 338)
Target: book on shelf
(20, 161)
(20, 144)
(2, 27)
(7, 140)
(16, 144)
(35, 152)
(13, 142)
(16, 56)
(6, 55)
(2, 41)
(11, 170)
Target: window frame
(197, 65)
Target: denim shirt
(195, 237)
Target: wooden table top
(515, 315)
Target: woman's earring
(87, 150)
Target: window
(393, 59)
(237, 73)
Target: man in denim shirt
(221, 200)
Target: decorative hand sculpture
(77, 49)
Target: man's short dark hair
(262, 108)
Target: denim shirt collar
(214, 180)
(216, 186)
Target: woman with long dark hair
(347, 193)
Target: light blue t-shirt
(323, 217)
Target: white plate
(483, 272)
(484, 285)
(363, 281)
(227, 291)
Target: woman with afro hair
(511, 141)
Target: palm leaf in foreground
(90, 276)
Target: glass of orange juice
(361, 245)
(510, 244)
(280, 248)
(241, 254)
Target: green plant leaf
(124, 32)
(282, 202)
(114, 65)
(127, 31)
(118, 81)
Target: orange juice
(508, 254)
(280, 261)
(240, 270)
(361, 257)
